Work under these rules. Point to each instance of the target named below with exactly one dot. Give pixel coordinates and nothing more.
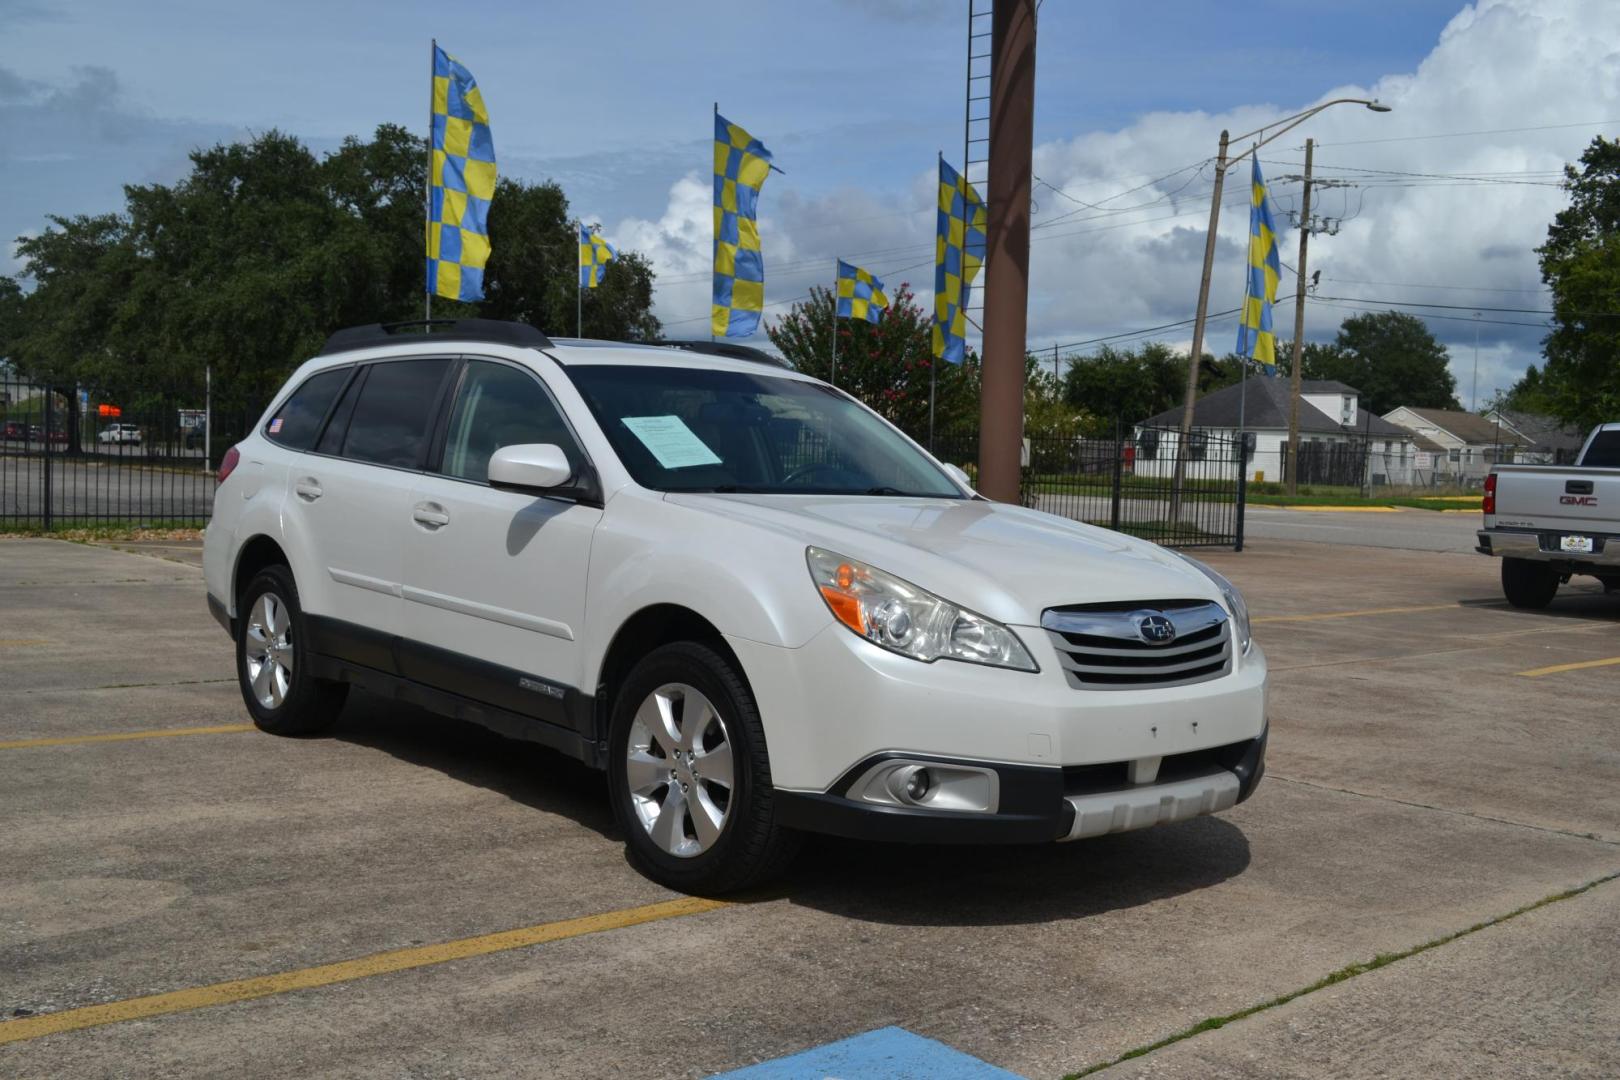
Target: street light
(1222, 164)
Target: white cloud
(1499, 64)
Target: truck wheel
(273, 662)
(1528, 584)
(689, 775)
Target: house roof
(1264, 403)
(1471, 428)
(1545, 431)
(1325, 386)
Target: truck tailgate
(1554, 499)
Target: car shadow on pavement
(920, 885)
(524, 772)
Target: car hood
(1003, 561)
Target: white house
(1340, 443)
(1464, 445)
(1551, 441)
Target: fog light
(918, 785)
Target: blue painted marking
(889, 1053)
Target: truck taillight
(228, 463)
(1489, 502)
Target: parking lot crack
(1446, 810)
(1349, 971)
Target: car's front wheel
(273, 661)
(690, 777)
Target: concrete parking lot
(1438, 840)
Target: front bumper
(1542, 546)
(1041, 804)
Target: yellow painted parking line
(20, 641)
(1352, 614)
(1344, 509)
(126, 736)
(383, 963)
(1536, 673)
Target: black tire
(1528, 584)
(752, 847)
(301, 704)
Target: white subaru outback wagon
(753, 602)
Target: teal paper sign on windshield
(670, 441)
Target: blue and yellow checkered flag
(594, 255)
(959, 248)
(1255, 339)
(741, 164)
(462, 183)
(860, 295)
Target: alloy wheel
(268, 650)
(678, 764)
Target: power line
(1463, 134)
(1421, 285)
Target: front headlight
(1234, 601)
(899, 616)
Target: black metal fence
(73, 457)
(1134, 481)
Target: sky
(1439, 202)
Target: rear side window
(394, 411)
(299, 418)
(1604, 453)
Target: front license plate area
(1579, 545)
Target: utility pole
(1006, 294)
(1299, 328)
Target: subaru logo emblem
(1156, 629)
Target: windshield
(692, 429)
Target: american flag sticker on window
(275, 426)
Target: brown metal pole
(1299, 330)
(1200, 313)
(1006, 294)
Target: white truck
(1550, 522)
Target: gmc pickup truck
(1551, 522)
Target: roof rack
(727, 349)
(496, 330)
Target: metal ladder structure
(976, 123)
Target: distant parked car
(14, 432)
(120, 433)
(59, 436)
(36, 433)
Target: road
(1411, 530)
(411, 896)
(110, 488)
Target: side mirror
(959, 476)
(536, 467)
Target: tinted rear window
(1604, 453)
(393, 413)
(299, 418)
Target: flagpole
(835, 322)
(579, 283)
(427, 188)
(714, 121)
(933, 380)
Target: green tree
(1129, 385)
(886, 365)
(1530, 394)
(1580, 262)
(249, 262)
(1390, 357)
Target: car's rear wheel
(690, 777)
(1528, 584)
(272, 660)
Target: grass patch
(1349, 971)
(1416, 502)
(1163, 531)
(85, 532)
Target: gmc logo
(1578, 500)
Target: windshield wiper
(886, 490)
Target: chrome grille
(1102, 648)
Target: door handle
(430, 515)
(307, 488)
